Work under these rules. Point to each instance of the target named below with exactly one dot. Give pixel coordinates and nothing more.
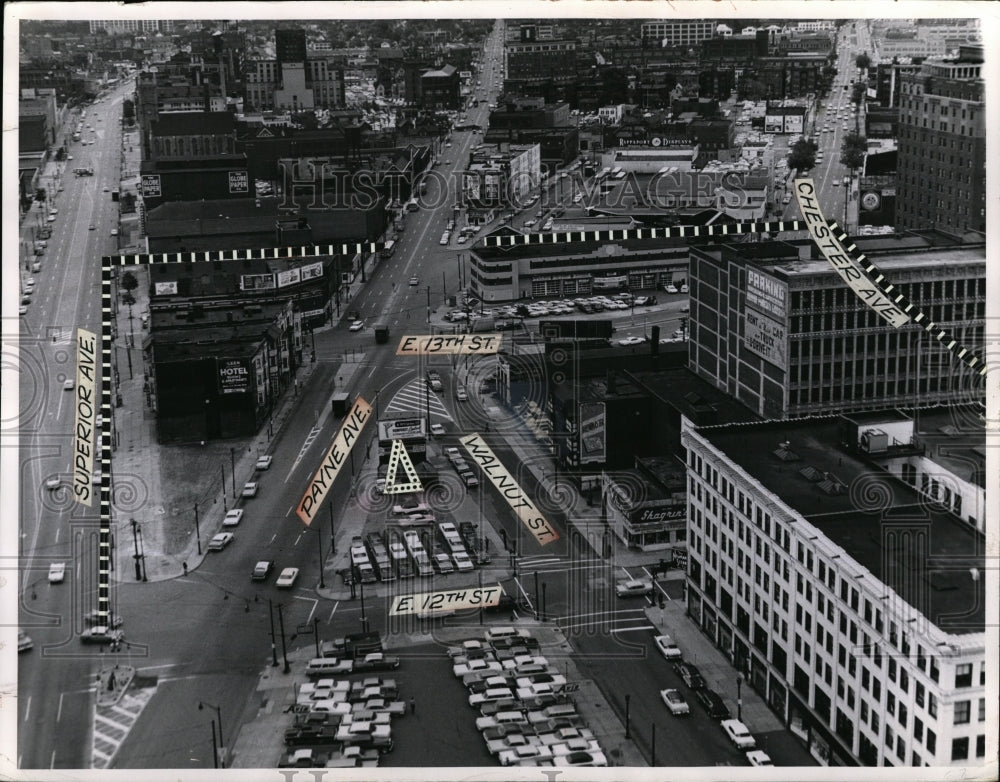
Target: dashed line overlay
(914, 313)
(875, 276)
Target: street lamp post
(333, 536)
(274, 646)
(232, 465)
(135, 544)
(197, 530)
(218, 714)
(364, 618)
(319, 539)
(739, 697)
(215, 746)
(284, 649)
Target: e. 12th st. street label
(446, 601)
(448, 344)
(504, 482)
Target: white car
(527, 755)
(53, 483)
(220, 541)
(414, 280)
(461, 395)
(671, 288)
(114, 232)
(250, 489)
(630, 341)
(57, 572)
(675, 702)
(286, 579)
(234, 517)
(739, 734)
(357, 325)
(759, 757)
(264, 462)
(437, 429)
(633, 588)
(462, 561)
(476, 666)
(667, 647)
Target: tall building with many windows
(942, 145)
(296, 80)
(132, 25)
(852, 605)
(683, 32)
(773, 325)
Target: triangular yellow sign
(398, 456)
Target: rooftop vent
(785, 454)
(810, 473)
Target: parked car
(739, 734)
(581, 759)
(437, 430)
(57, 572)
(250, 489)
(667, 647)
(264, 462)
(220, 541)
(414, 280)
(675, 702)
(286, 580)
(376, 661)
(713, 704)
(689, 675)
(233, 517)
(631, 341)
(759, 757)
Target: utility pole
(135, 543)
(319, 538)
(284, 649)
(274, 647)
(333, 538)
(428, 303)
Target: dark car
(690, 675)
(376, 662)
(309, 736)
(713, 704)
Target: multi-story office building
(687, 32)
(571, 268)
(853, 607)
(297, 79)
(536, 66)
(133, 25)
(942, 145)
(785, 336)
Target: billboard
(766, 293)
(165, 288)
(766, 337)
(239, 182)
(256, 282)
(234, 375)
(151, 185)
(593, 432)
(402, 429)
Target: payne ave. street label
(525, 509)
(448, 344)
(344, 441)
(446, 601)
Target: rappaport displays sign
(234, 375)
(593, 432)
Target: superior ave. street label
(343, 442)
(446, 600)
(525, 509)
(448, 344)
(86, 404)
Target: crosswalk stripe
(630, 629)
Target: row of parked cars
(221, 540)
(340, 722)
(710, 701)
(526, 715)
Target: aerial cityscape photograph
(420, 389)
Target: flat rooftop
(937, 581)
